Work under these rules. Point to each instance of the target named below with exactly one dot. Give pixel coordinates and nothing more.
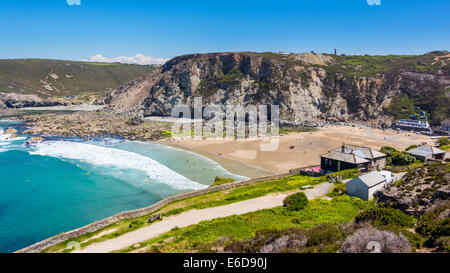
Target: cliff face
(335, 88)
(12, 100)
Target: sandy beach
(307, 147)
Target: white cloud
(136, 59)
(74, 2)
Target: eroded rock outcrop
(12, 100)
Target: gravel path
(195, 216)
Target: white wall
(376, 188)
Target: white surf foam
(6, 139)
(103, 156)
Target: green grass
(445, 148)
(340, 210)
(24, 76)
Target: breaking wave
(6, 139)
(103, 156)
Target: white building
(364, 186)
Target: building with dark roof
(352, 157)
(427, 152)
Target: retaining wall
(38, 247)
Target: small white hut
(364, 186)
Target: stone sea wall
(40, 246)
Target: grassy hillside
(64, 78)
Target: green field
(337, 211)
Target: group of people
(336, 178)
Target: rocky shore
(93, 124)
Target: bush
(397, 158)
(443, 141)
(435, 224)
(295, 202)
(369, 240)
(380, 217)
(220, 181)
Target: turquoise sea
(63, 184)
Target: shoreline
(231, 165)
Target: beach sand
(307, 151)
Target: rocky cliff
(419, 190)
(12, 100)
(306, 86)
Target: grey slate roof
(425, 150)
(371, 179)
(350, 158)
(364, 152)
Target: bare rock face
(12, 100)
(300, 84)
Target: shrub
(270, 241)
(296, 202)
(396, 158)
(379, 217)
(220, 181)
(369, 240)
(443, 141)
(435, 223)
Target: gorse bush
(380, 217)
(434, 225)
(296, 202)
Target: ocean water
(63, 184)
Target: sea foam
(103, 156)
(6, 139)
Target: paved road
(195, 216)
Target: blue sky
(164, 29)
